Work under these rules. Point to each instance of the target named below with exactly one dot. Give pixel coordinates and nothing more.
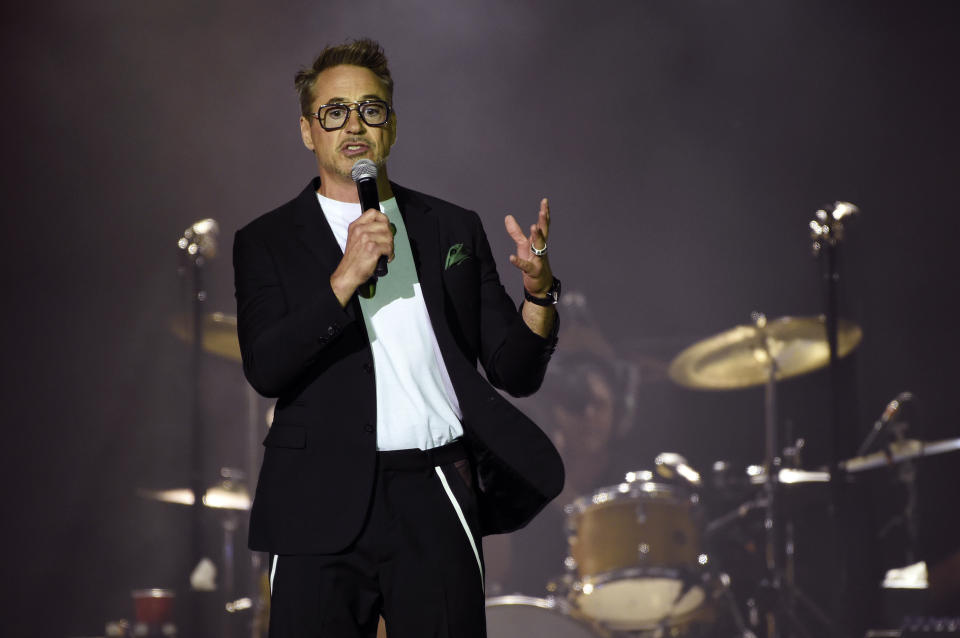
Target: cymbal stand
(780, 583)
(771, 520)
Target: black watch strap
(553, 295)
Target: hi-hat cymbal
(222, 496)
(737, 357)
(219, 334)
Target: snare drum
(526, 617)
(635, 548)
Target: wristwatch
(553, 295)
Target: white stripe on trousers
(273, 570)
(463, 521)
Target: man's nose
(354, 123)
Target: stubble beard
(341, 170)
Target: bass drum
(636, 551)
(526, 617)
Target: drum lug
(643, 551)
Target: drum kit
(642, 557)
(638, 562)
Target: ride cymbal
(741, 357)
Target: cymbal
(221, 496)
(788, 476)
(737, 358)
(219, 334)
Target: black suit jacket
(300, 346)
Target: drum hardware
(787, 476)
(219, 338)
(886, 421)
(213, 333)
(762, 354)
(240, 604)
(899, 452)
(229, 494)
(893, 454)
(671, 465)
(730, 603)
(902, 455)
(739, 512)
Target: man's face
(338, 150)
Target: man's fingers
(525, 265)
(514, 230)
(537, 238)
(543, 219)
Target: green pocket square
(455, 255)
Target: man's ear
(391, 134)
(305, 133)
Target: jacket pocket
(289, 436)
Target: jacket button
(368, 428)
(331, 331)
(368, 368)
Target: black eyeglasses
(335, 116)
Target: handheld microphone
(364, 173)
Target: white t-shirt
(416, 404)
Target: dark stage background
(684, 146)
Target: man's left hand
(537, 276)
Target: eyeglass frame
(353, 106)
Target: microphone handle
(370, 198)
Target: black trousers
(418, 560)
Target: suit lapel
(314, 234)
(313, 231)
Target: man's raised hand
(537, 276)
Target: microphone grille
(362, 169)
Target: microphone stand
(198, 244)
(827, 232)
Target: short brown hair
(363, 52)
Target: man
(389, 455)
